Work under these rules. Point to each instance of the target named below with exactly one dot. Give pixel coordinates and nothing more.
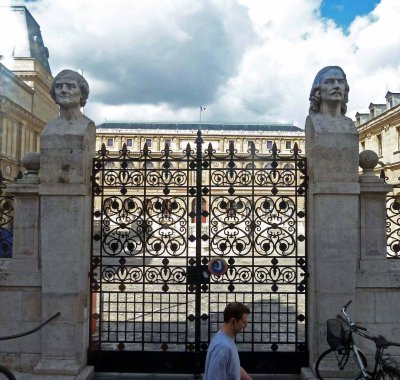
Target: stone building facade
(379, 130)
(25, 102)
(178, 135)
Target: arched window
(288, 166)
(148, 165)
(271, 165)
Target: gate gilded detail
(158, 221)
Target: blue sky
(345, 11)
(244, 60)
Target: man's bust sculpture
(331, 137)
(68, 142)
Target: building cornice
(193, 132)
(15, 78)
(10, 107)
(381, 120)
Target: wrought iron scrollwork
(160, 218)
(393, 226)
(6, 220)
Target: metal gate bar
(158, 221)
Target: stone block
(29, 361)
(365, 306)
(25, 243)
(387, 306)
(10, 360)
(330, 305)
(336, 276)
(26, 211)
(61, 340)
(12, 312)
(32, 306)
(71, 306)
(64, 158)
(335, 244)
(26, 344)
(340, 211)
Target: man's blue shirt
(222, 362)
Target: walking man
(222, 362)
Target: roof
(25, 37)
(263, 127)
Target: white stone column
(333, 223)
(65, 203)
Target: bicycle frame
(380, 342)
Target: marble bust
(68, 141)
(328, 100)
(331, 136)
(70, 91)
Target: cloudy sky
(244, 60)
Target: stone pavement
(149, 376)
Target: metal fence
(393, 221)
(6, 220)
(160, 221)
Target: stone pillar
(378, 279)
(373, 215)
(20, 275)
(333, 222)
(26, 218)
(66, 155)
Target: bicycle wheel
(332, 361)
(5, 373)
(388, 373)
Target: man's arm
(244, 375)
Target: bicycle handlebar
(379, 340)
(31, 331)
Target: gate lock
(198, 275)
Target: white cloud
(246, 60)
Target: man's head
(330, 84)
(236, 314)
(66, 85)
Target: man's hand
(244, 375)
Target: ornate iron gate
(159, 220)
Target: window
(372, 113)
(250, 166)
(398, 138)
(271, 165)
(148, 165)
(250, 143)
(168, 142)
(269, 144)
(129, 142)
(362, 145)
(288, 166)
(379, 139)
(110, 142)
(288, 145)
(148, 142)
(390, 102)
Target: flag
(202, 108)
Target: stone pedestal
(66, 159)
(378, 279)
(333, 222)
(20, 279)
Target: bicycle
(5, 373)
(345, 356)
